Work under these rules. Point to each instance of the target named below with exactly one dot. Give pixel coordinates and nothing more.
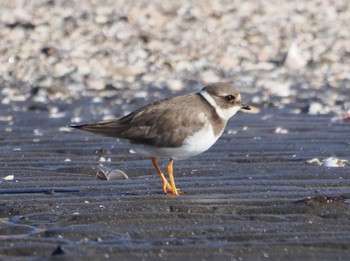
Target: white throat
(225, 114)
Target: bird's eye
(230, 98)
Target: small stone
(55, 114)
(315, 108)
(274, 87)
(57, 251)
(209, 76)
(280, 130)
(175, 85)
(334, 162)
(229, 63)
(314, 161)
(101, 19)
(61, 69)
(65, 129)
(6, 118)
(38, 132)
(76, 119)
(48, 50)
(294, 60)
(84, 70)
(330, 162)
(9, 178)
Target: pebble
(294, 59)
(315, 108)
(175, 85)
(334, 162)
(83, 49)
(9, 178)
(6, 118)
(275, 88)
(280, 130)
(328, 162)
(209, 76)
(61, 69)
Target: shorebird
(175, 128)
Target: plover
(175, 128)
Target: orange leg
(171, 178)
(166, 185)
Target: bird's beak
(245, 107)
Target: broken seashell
(105, 173)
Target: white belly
(193, 145)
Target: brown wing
(157, 124)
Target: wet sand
(252, 196)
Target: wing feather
(157, 124)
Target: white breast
(193, 145)
(200, 141)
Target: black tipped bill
(75, 126)
(245, 107)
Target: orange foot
(171, 188)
